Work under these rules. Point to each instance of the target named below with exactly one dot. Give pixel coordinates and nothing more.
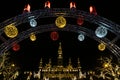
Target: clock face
(60, 22)
(11, 31)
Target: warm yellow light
(118, 72)
(12, 65)
(11, 31)
(106, 65)
(101, 46)
(32, 37)
(60, 22)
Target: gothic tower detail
(60, 56)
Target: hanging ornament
(54, 35)
(101, 46)
(11, 31)
(80, 20)
(60, 22)
(33, 23)
(32, 37)
(16, 47)
(101, 32)
(81, 37)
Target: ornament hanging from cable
(80, 20)
(32, 36)
(11, 31)
(54, 35)
(33, 22)
(101, 32)
(101, 46)
(81, 37)
(16, 47)
(60, 22)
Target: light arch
(55, 12)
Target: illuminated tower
(60, 57)
(40, 66)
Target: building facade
(59, 71)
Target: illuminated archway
(55, 12)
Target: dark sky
(31, 52)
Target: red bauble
(54, 35)
(16, 47)
(80, 20)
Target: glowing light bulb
(92, 10)
(72, 5)
(106, 65)
(12, 65)
(26, 8)
(47, 4)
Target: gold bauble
(101, 46)
(60, 22)
(11, 31)
(32, 37)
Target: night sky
(30, 53)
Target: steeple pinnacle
(60, 51)
(60, 57)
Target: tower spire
(40, 66)
(79, 66)
(60, 57)
(70, 61)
